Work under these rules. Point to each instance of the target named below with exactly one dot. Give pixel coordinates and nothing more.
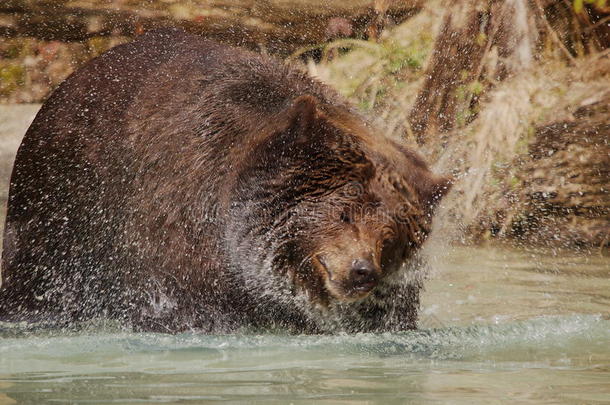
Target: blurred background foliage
(509, 96)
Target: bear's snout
(349, 279)
(363, 275)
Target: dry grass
(484, 153)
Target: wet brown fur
(175, 183)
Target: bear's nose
(363, 274)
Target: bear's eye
(390, 254)
(345, 217)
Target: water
(498, 326)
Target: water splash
(477, 341)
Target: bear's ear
(302, 117)
(430, 187)
(298, 130)
(437, 189)
(304, 109)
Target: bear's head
(327, 205)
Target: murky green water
(499, 326)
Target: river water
(497, 326)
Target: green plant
(579, 5)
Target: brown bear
(178, 184)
